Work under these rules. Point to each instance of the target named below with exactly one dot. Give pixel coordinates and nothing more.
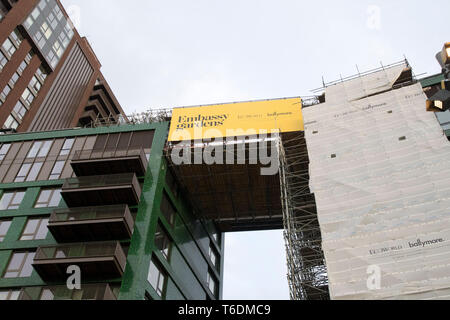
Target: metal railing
(101, 181)
(87, 292)
(91, 213)
(96, 154)
(82, 250)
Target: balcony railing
(100, 181)
(87, 292)
(110, 161)
(102, 190)
(92, 223)
(96, 260)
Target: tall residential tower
(50, 77)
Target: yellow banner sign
(236, 119)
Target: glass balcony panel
(110, 161)
(101, 190)
(89, 213)
(98, 181)
(105, 260)
(102, 223)
(87, 292)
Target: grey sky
(179, 53)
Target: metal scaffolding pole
(307, 273)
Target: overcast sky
(179, 53)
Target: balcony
(102, 190)
(87, 118)
(91, 224)
(96, 260)
(109, 161)
(87, 292)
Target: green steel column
(135, 277)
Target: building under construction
(359, 187)
(356, 176)
(332, 188)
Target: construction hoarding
(381, 177)
(236, 119)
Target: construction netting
(380, 173)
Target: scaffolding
(149, 116)
(296, 214)
(307, 272)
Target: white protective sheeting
(380, 171)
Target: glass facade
(29, 94)
(177, 253)
(50, 30)
(444, 119)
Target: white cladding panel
(380, 172)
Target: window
(9, 47)
(213, 256)
(45, 29)
(28, 22)
(20, 265)
(35, 14)
(5, 92)
(4, 150)
(23, 172)
(48, 198)
(11, 200)
(211, 282)
(35, 84)
(47, 295)
(4, 227)
(63, 39)
(156, 278)
(40, 40)
(168, 209)
(36, 229)
(40, 149)
(41, 73)
(14, 79)
(29, 172)
(16, 37)
(11, 123)
(6, 295)
(52, 20)
(27, 97)
(57, 170)
(43, 4)
(162, 242)
(29, 56)
(67, 147)
(51, 56)
(20, 110)
(35, 169)
(69, 29)
(58, 49)
(3, 61)
(58, 12)
(147, 296)
(23, 65)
